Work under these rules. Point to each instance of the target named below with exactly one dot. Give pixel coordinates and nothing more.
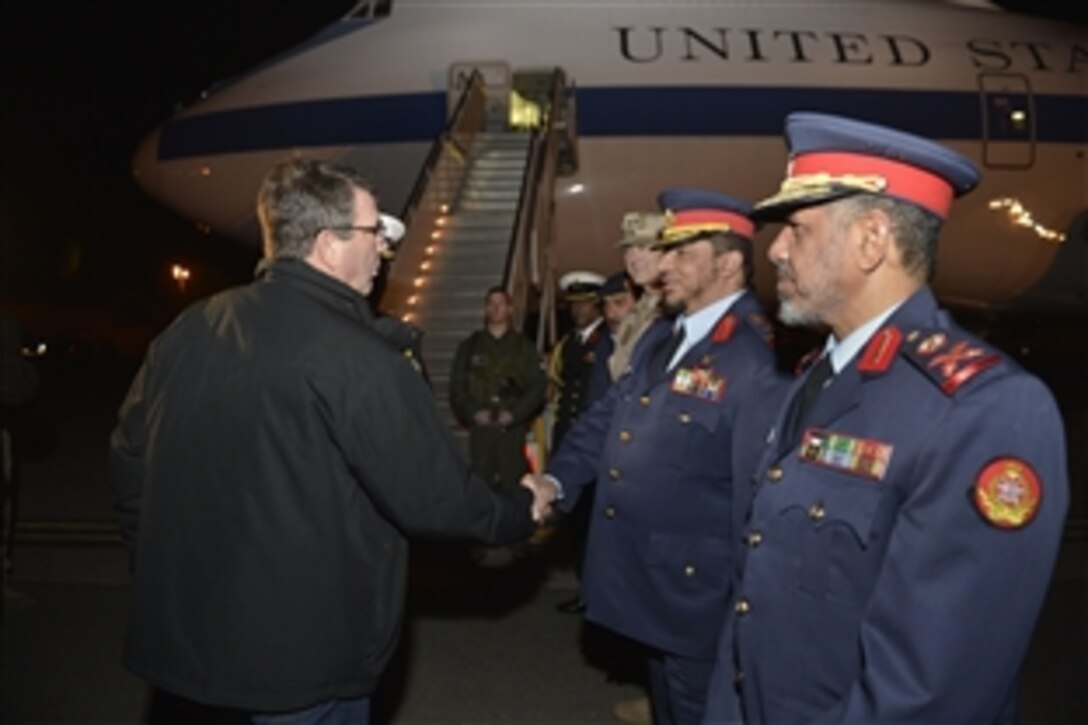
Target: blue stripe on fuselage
(641, 111)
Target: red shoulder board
(1007, 493)
(724, 329)
(762, 325)
(949, 363)
(881, 351)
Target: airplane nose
(146, 169)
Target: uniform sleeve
(126, 459)
(409, 463)
(957, 598)
(576, 462)
(463, 404)
(532, 400)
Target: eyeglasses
(377, 230)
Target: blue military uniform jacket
(899, 549)
(658, 553)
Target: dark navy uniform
(572, 366)
(658, 554)
(900, 536)
(899, 549)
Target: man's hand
(482, 417)
(505, 418)
(544, 494)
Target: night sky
(82, 84)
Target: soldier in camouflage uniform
(496, 387)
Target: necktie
(802, 402)
(665, 351)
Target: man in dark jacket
(271, 456)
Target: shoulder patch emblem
(1007, 493)
(881, 351)
(724, 329)
(948, 363)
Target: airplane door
(496, 78)
(1008, 121)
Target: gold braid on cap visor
(670, 234)
(808, 185)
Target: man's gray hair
(914, 229)
(299, 198)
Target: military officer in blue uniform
(904, 522)
(658, 443)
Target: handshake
(545, 491)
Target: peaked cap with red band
(833, 157)
(691, 214)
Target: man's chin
(792, 315)
(672, 307)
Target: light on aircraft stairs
(470, 255)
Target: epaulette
(763, 327)
(947, 357)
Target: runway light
(436, 234)
(413, 300)
(425, 266)
(440, 221)
(417, 282)
(445, 208)
(205, 170)
(407, 317)
(1021, 216)
(429, 250)
(576, 188)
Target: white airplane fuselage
(667, 94)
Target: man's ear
(326, 251)
(875, 240)
(730, 262)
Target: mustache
(784, 272)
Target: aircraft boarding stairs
(479, 217)
(471, 254)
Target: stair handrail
(466, 120)
(432, 195)
(531, 236)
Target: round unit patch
(1007, 493)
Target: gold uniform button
(685, 418)
(774, 474)
(754, 539)
(625, 436)
(816, 512)
(645, 401)
(610, 513)
(614, 474)
(689, 570)
(742, 607)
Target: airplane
(679, 93)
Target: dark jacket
(272, 455)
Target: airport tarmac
(481, 645)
